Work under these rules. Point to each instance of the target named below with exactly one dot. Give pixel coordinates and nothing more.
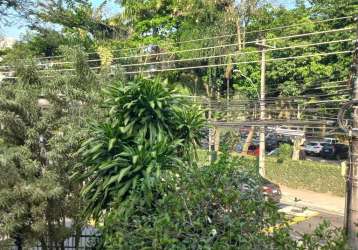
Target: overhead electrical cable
(219, 46)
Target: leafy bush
(148, 130)
(218, 206)
(309, 175)
(315, 176)
(284, 152)
(27, 72)
(229, 139)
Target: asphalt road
(309, 225)
(305, 221)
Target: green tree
(9, 7)
(218, 206)
(148, 131)
(41, 128)
(75, 14)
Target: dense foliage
(137, 168)
(310, 175)
(148, 130)
(284, 152)
(218, 206)
(41, 129)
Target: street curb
(302, 204)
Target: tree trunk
(217, 139)
(248, 140)
(238, 30)
(296, 148)
(323, 133)
(51, 243)
(244, 37)
(281, 108)
(61, 223)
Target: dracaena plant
(148, 130)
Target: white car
(314, 147)
(330, 140)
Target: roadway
(305, 220)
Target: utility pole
(262, 169)
(351, 211)
(227, 98)
(228, 76)
(262, 46)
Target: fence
(87, 241)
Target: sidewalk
(312, 200)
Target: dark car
(253, 150)
(271, 144)
(335, 151)
(270, 191)
(284, 140)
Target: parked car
(335, 151)
(314, 147)
(270, 190)
(282, 139)
(273, 152)
(271, 144)
(330, 140)
(253, 150)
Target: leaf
(107, 165)
(124, 189)
(96, 148)
(123, 172)
(135, 159)
(111, 143)
(113, 110)
(152, 104)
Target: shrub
(315, 176)
(309, 175)
(148, 130)
(284, 152)
(229, 139)
(218, 206)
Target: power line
(203, 66)
(221, 36)
(219, 46)
(235, 54)
(214, 56)
(235, 44)
(262, 30)
(237, 63)
(315, 82)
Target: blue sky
(19, 26)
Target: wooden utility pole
(228, 76)
(262, 46)
(262, 169)
(351, 211)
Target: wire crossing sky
(18, 27)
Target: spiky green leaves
(112, 174)
(148, 130)
(143, 105)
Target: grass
(310, 175)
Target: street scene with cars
(178, 124)
(324, 148)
